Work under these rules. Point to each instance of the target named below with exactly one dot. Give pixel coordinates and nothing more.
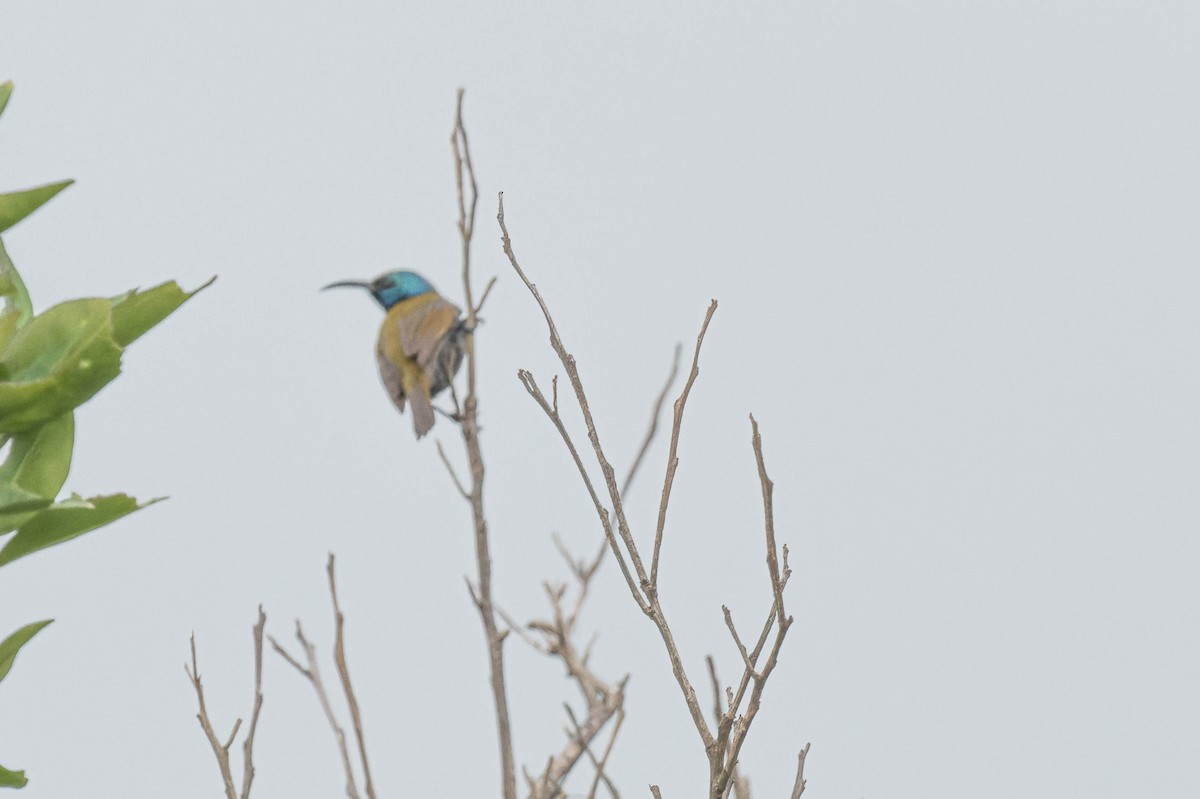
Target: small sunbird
(421, 342)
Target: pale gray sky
(956, 250)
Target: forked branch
(603, 701)
(468, 197)
(221, 750)
(311, 671)
(723, 747)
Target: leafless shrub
(557, 636)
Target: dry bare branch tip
(237, 725)
(749, 664)
(798, 787)
(453, 475)
(471, 590)
(586, 657)
(487, 289)
(654, 414)
(673, 454)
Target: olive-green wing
(423, 330)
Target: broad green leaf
(12, 779)
(37, 466)
(57, 361)
(66, 520)
(16, 205)
(5, 92)
(135, 312)
(12, 289)
(13, 643)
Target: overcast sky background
(955, 247)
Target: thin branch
(672, 457)
(600, 773)
(757, 679)
(798, 787)
(602, 700)
(531, 386)
(521, 632)
(723, 719)
(560, 631)
(655, 792)
(645, 593)
(568, 362)
(312, 673)
(468, 198)
(737, 640)
(650, 433)
(453, 474)
(768, 493)
(483, 298)
(339, 657)
(220, 752)
(248, 744)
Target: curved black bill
(362, 284)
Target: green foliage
(8, 653)
(50, 364)
(17, 205)
(12, 779)
(13, 643)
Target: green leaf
(16, 205)
(66, 520)
(37, 466)
(5, 92)
(135, 312)
(12, 779)
(12, 289)
(13, 643)
(56, 362)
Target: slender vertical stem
(339, 658)
(464, 173)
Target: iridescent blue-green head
(390, 287)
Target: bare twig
(768, 494)
(757, 680)
(312, 673)
(468, 197)
(600, 765)
(483, 298)
(339, 657)
(672, 457)
(644, 591)
(531, 386)
(655, 792)
(798, 787)
(248, 744)
(724, 747)
(602, 700)
(737, 640)
(653, 429)
(221, 751)
(568, 362)
(453, 474)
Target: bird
(421, 343)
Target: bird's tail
(422, 410)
